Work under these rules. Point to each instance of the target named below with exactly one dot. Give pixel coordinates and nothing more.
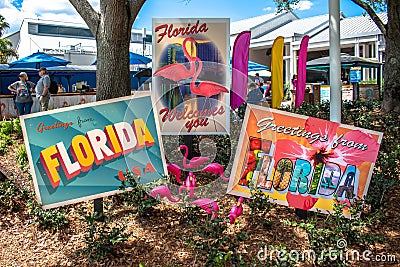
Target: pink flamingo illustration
(205, 88)
(194, 162)
(236, 211)
(190, 184)
(177, 71)
(163, 191)
(216, 168)
(209, 205)
(175, 171)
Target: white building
(70, 41)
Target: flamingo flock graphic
(178, 72)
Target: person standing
(293, 90)
(259, 82)
(23, 94)
(61, 88)
(42, 89)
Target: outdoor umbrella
(38, 60)
(253, 66)
(346, 60)
(134, 59)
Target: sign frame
(220, 123)
(325, 202)
(161, 164)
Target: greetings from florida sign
(76, 153)
(191, 75)
(302, 161)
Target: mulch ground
(159, 238)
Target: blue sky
(16, 10)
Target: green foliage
(100, 237)
(53, 219)
(277, 256)
(260, 205)
(6, 49)
(9, 193)
(370, 81)
(210, 238)
(135, 195)
(7, 129)
(325, 233)
(3, 147)
(189, 215)
(17, 127)
(22, 157)
(282, 5)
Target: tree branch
(371, 12)
(134, 8)
(89, 15)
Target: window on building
(59, 30)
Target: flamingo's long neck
(187, 55)
(192, 67)
(193, 87)
(185, 157)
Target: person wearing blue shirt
(42, 89)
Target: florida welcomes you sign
(191, 75)
(302, 161)
(76, 153)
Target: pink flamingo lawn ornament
(190, 184)
(205, 88)
(177, 71)
(209, 205)
(163, 191)
(194, 162)
(175, 171)
(236, 211)
(215, 168)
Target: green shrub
(100, 238)
(210, 238)
(325, 232)
(3, 147)
(9, 193)
(260, 205)
(22, 157)
(53, 219)
(6, 139)
(135, 195)
(17, 127)
(6, 127)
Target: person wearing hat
(42, 89)
(23, 93)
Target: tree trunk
(113, 39)
(112, 30)
(391, 94)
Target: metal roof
(352, 27)
(246, 24)
(299, 26)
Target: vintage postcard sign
(79, 153)
(302, 161)
(191, 75)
